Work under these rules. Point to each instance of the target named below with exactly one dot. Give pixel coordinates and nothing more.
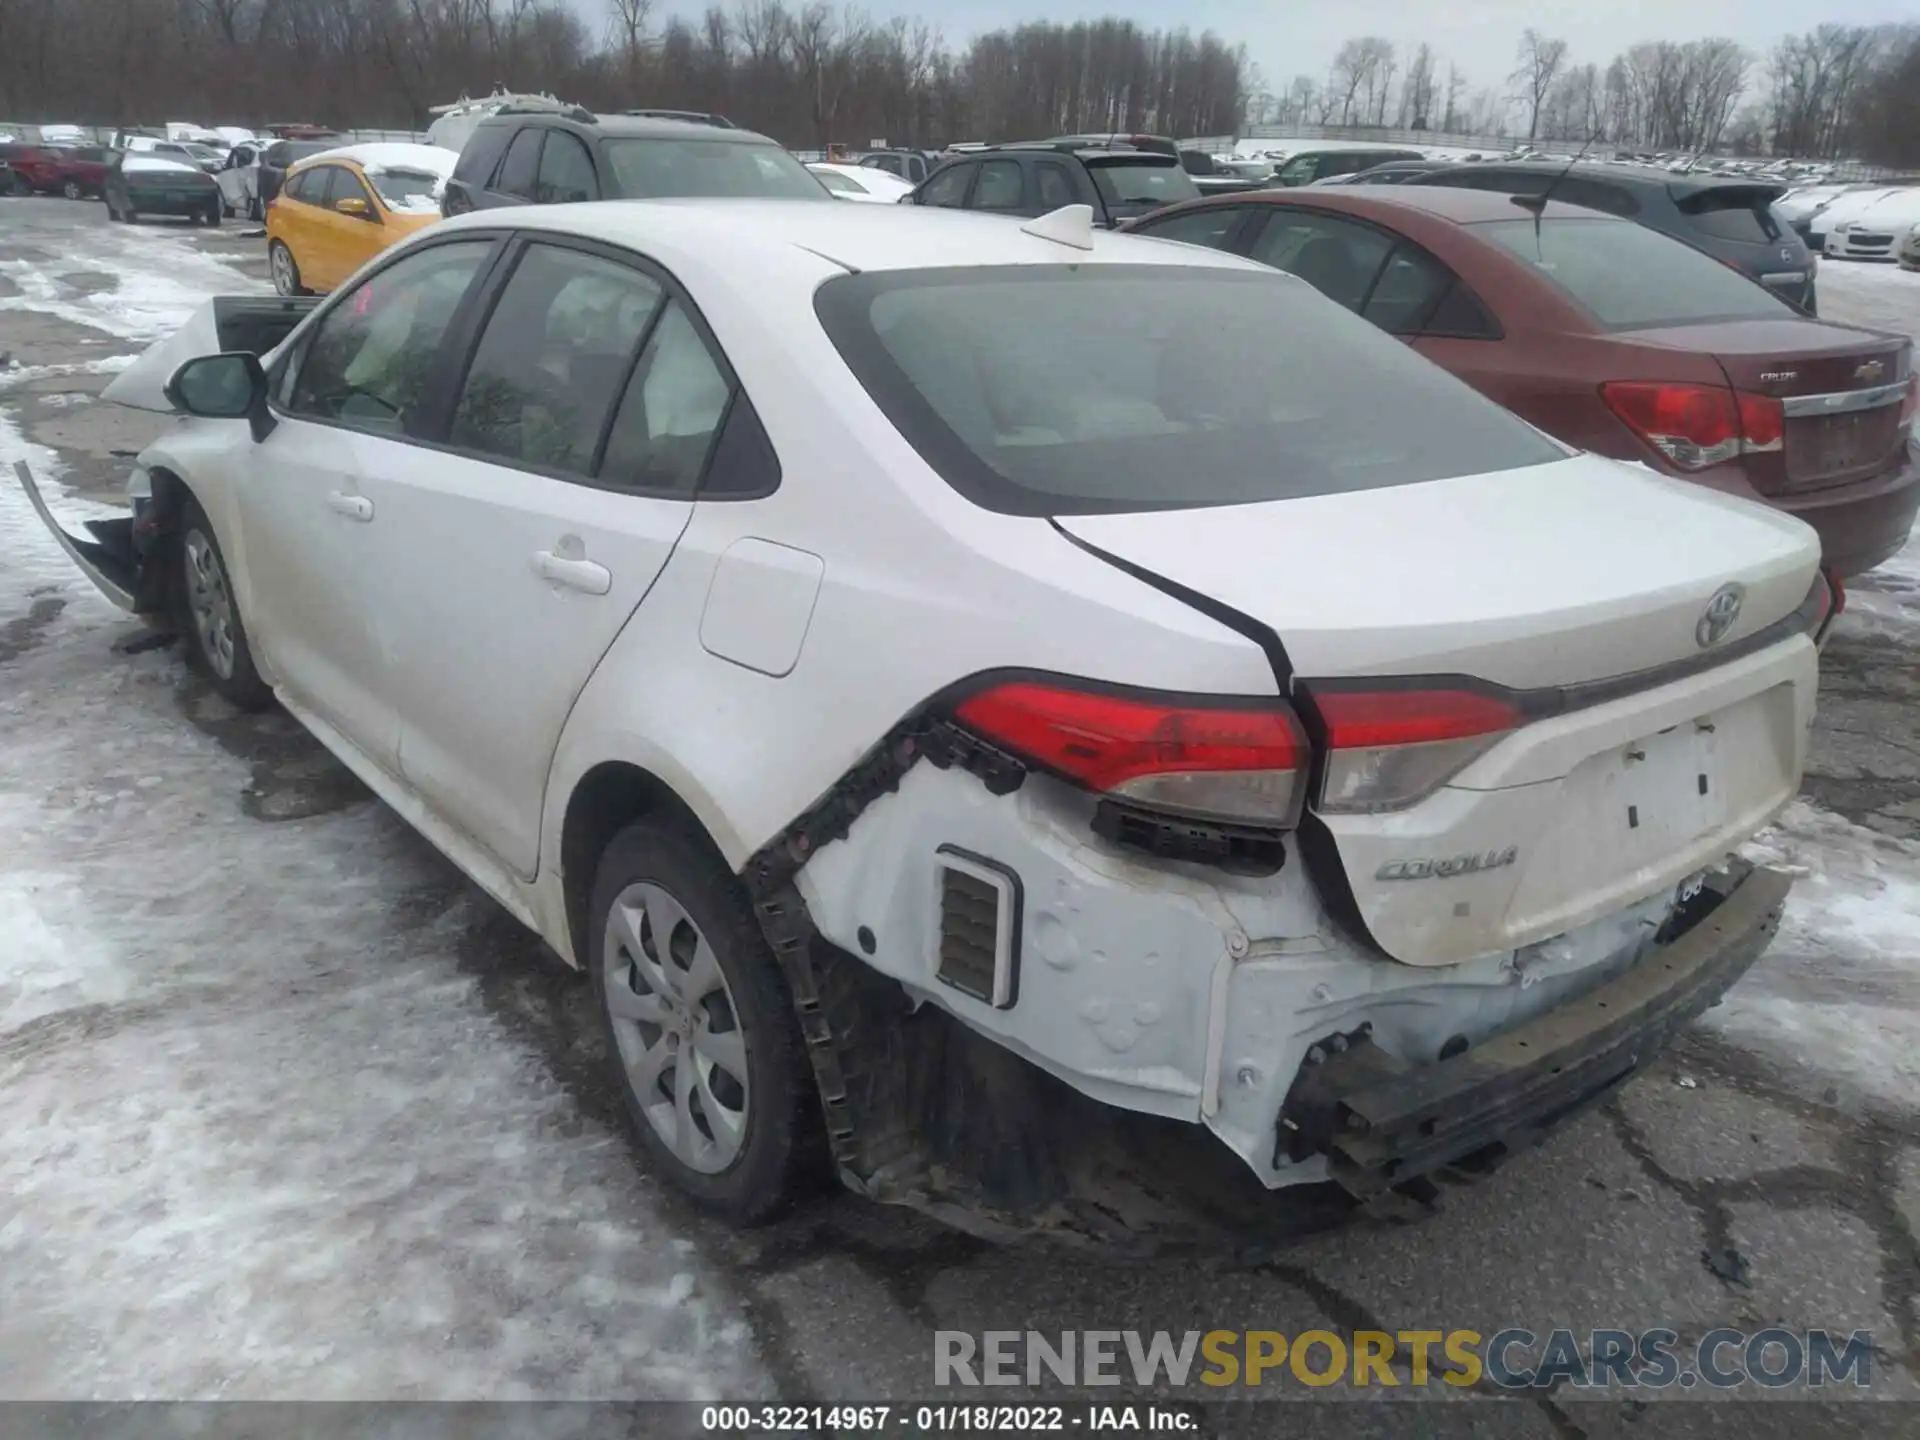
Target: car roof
(857, 237)
(1623, 173)
(1445, 202)
(651, 126)
(379, 155)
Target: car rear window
(1733, 213)
(1062, 389)
(1133, 183)
(1629, 277)
(654, 168)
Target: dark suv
(546, 157)
(1731, 219)
(1037, 177)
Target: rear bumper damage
(1382, 1124)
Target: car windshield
(1059, 389)
(652, 167)
(838, 183)
(1629, 277)
(1135, 183)
(405, 189)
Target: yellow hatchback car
(338, 209)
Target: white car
(883, 647)
(862, 183)
(1843, 209)
(1874, 231)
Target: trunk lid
(255, 323)
(1840, 389)
(1534, 579)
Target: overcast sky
(1479, 35)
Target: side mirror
(355, 206)
(230, 386)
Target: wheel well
(605, 800)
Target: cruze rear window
(1629, 277)
(1087, 389)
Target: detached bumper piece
(1385, 1125)
(108, 559)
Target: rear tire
(209, 615)
(255, 210)
(73, 190)
(286, 271)
(212, 215)
(684, 978)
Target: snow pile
(260, 1135)
(1835, 991)
(161, 275)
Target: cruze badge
(1717, 619)
(1448, 867)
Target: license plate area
(1829, 449)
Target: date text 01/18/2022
(945, 1418)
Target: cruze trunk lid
(1537, 583)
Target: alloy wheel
(676, 1027)
(71, 190)
(284, 279)
(210, 603)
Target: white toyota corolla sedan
(856, 633)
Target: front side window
(948, 187)
(1055, 185)
(369, 361)
(671, 411)
(552, 359)
(1629, 277)
(1299, 170)
(566, 172)
(650, 167)
(521, 165)
(1060, 389)
(1199, 227)
(1337, 257)
(1000, 186)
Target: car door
(357, 237)
(349, 399)
(571, 453)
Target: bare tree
(1540, 62)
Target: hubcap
(282, 270)
(676, 1027)
(210, 604)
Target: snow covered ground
(297, 1157)
(262, 1134)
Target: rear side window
(1197, 227)
(1629, 277)
(671, 412)
(1594, 194)
(1337, 257)
(1054, 185)
(522, 165)
(1133, 184)
(1733, 214)
(1406, 292)
(1059, 389)
(553, 359)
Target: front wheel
(212, 215)
(73, 190)
(704, 1045)
(210, 616)
(286, 274)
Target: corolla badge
(1717, 619)
(1443, 867)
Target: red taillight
(1829, 600)
(1696, 426)
(1241, 762)
(1387, 749)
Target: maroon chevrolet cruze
(1612, 337)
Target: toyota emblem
(1717, 619)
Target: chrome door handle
(574, 574)
(354, 507)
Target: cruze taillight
(1388, 748)
(1239, 760)
(1696, 426)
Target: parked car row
(1219, 713)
